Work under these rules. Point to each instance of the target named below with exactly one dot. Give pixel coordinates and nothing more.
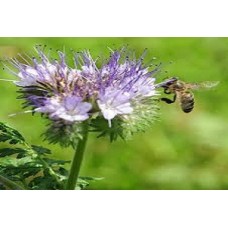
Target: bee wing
(203, 85)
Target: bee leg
(169, 101)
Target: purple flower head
(74, 94)
(114, 102)
(122, 82)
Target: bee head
(171, 81)
(168, 82)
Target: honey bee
(183, 91)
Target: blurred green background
(180, 151)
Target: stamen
(18, 113)
(7, 80)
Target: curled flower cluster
(114, 90)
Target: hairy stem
(77, 159)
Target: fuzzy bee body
(182, 92)
(186, 101)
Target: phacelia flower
(119, 88)
(69, 108)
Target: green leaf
(41, 150)
(10, 151)
(101, 126)
(31, 171)
(84, 182)
(28, 166)
(52, 162)
(81, 184)
(9, 134)
(45, 182)
(92, 178)
(9, 184)
(63, 172)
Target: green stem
(10, 184)
(77, 160)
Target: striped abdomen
(186, 101)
